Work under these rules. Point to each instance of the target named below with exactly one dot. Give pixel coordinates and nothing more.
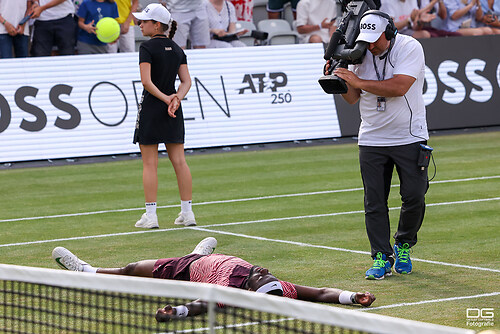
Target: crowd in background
(65, 27)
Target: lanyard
(386, 56)
(383, 70)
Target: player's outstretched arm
(331, 295)
(191, 309)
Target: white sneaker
(147, 221)
(206, 246)
(67, 260)
(186, 219)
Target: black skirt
(155, 126)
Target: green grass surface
(463, 233)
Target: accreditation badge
(380, 103)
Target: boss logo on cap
(368, 26)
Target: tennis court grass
(311, 236)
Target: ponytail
(172, 29)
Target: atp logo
(263, 82)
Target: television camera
(343, 49)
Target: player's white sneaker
(67, 260)
(206, 246)
(186, 219)
(147, 221)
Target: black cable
(432, 156)
(435, 169)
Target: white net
(36, 300)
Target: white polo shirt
(311, 12)
(404, 119)
(57, 12)
(13, 12)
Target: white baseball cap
(371, 27)
(154, 11)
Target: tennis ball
(108, 30)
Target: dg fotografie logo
(480, 317)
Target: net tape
(40, 300)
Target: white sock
(186, 206)
(87, 268)
(151, 209)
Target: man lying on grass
(203, 266)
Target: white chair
(280, 32)
(259, 11)
(288, 14)
(246, 38)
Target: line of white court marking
(296, 243)
(432, 301)
(232, 200)
(208, 228)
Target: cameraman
(388, 85)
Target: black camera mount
(343, 49)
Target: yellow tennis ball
(108, 30)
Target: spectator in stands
(244, 10)
(275, 8)
(316, 20)
(406, 17)
(491, 10)
(89, 13)
(425, 18)
(191, 17)
(465, 17)
(54, 26)
(222, 22)
(126, 42)
(13, 36)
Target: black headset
(390, 31)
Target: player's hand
(364, 298)
(124, 28)
(20, 29)
(219, 32)
(327, 66)
(11, 30)
(326, 23)
(351, 78)
(37, 10)
(242, 32)
(165, 314)
(173, 105)
(426, 17)
(90, 27)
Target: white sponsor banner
(73, 106)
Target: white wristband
(181, 311)
(347, 297)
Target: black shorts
(279, 5)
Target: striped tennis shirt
(228, 271)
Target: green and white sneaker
(380, 269)
(403, 262)
(67, 260)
